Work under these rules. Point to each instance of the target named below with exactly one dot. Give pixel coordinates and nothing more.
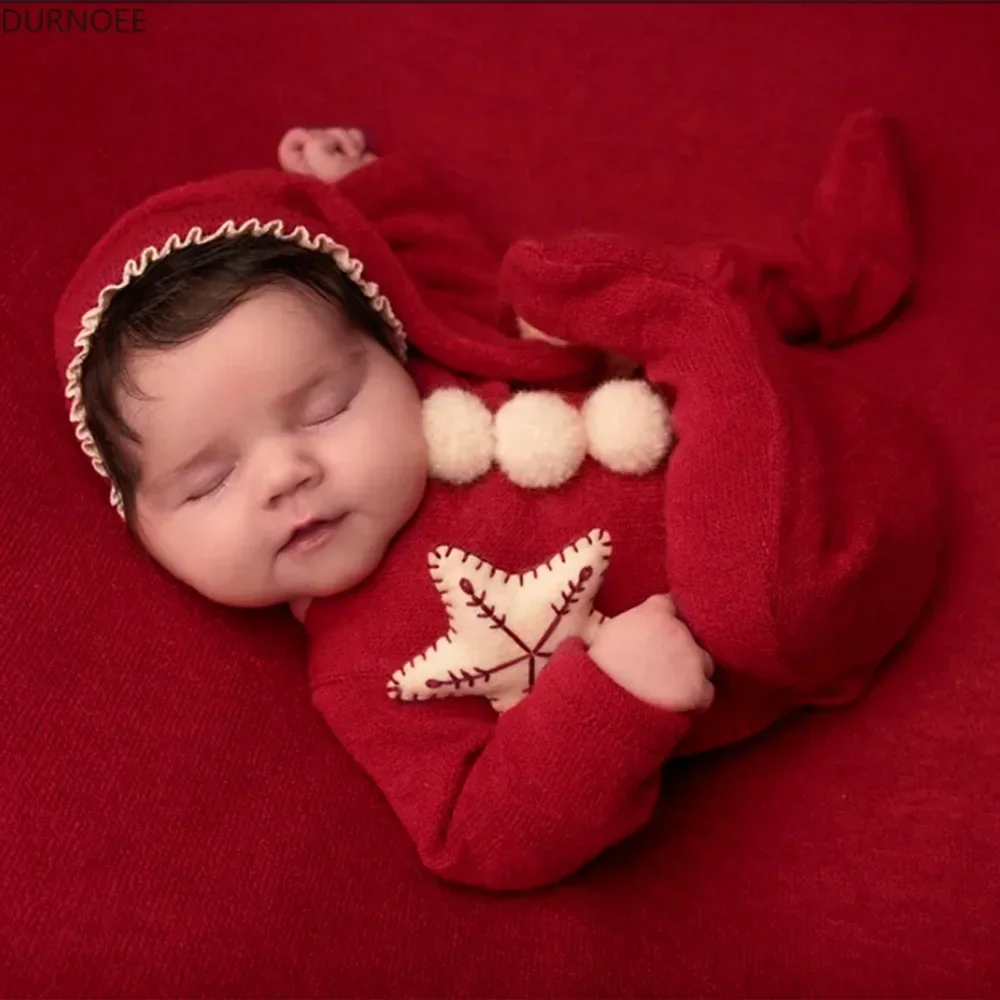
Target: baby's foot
(329, 154)
(859, 239)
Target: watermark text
(37, 19)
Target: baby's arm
(525, 800)
(414, 212)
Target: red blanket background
(176, 820)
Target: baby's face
(281, 451)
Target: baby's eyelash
(327, 417)
(214, 488)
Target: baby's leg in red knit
(803, 516)
(856, 250)
(803, 512)
(854, 255)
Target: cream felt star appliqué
(504, 627)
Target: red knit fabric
(804, 516)
(803, 530)
(800, 532)
(175, 817)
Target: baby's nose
(289, 477)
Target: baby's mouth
(311, 535)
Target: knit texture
(175, 817)
(800, 532)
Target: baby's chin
(346, 570)
(337, 571)
(337, 567)
(324, 578)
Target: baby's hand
(650, 653)
(329, 154)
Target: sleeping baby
(526, 584)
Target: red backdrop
(176, 819)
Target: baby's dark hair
(176, 300)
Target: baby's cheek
(216, 555)
(236, 559)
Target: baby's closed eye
(206, 486)
(324, 411)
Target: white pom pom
(458, 429)
(540, 439)
(628, 426)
